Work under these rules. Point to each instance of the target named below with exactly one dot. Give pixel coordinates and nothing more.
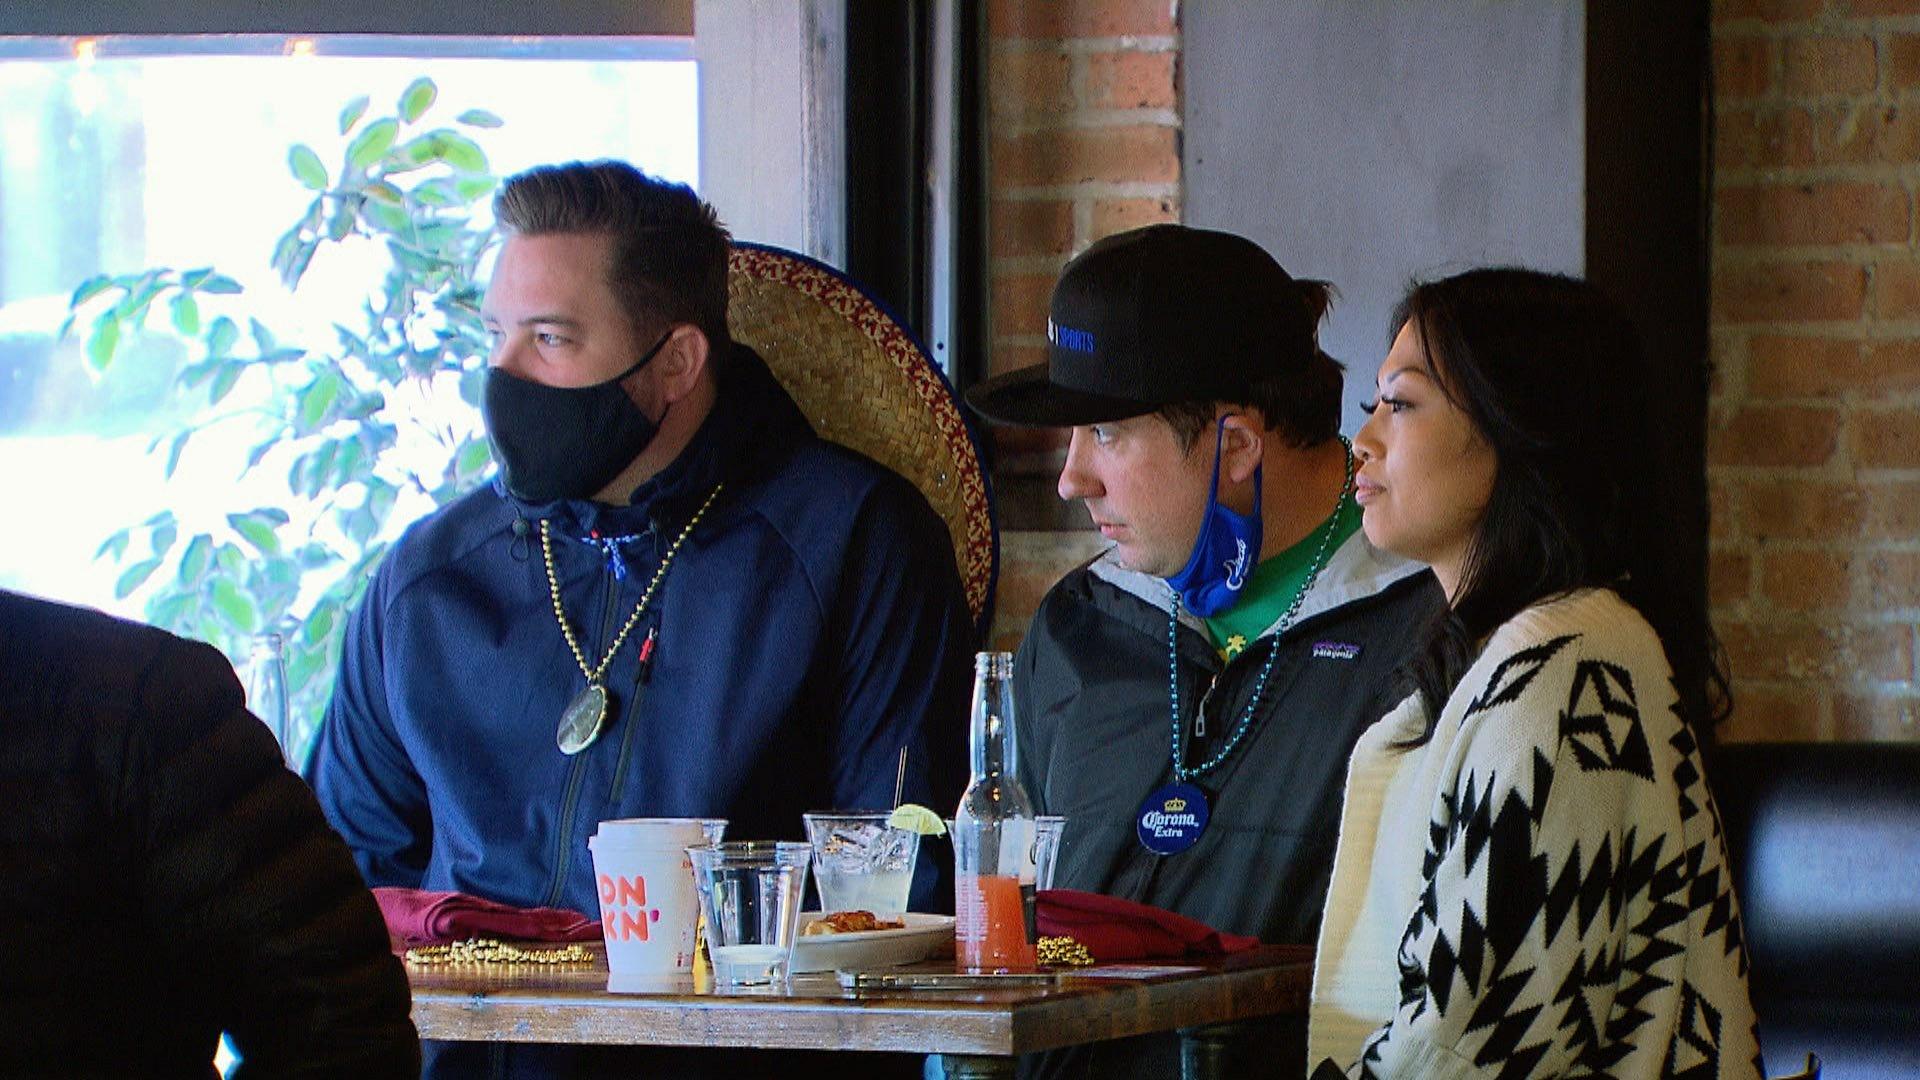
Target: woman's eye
(1101, 435)
(1393, 405)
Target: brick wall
(1083, 142)
(1814, 445)
(1815, 442)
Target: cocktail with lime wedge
(863, 860)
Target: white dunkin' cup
(648, 907)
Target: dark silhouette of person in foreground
(165, 878)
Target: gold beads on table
(489, 951)
(1062, 952)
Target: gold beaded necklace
(586, 715)
(487, 952)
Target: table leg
(1206, 1052)
(975, 1067)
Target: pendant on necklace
(1172, 818)
(582, 721)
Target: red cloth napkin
(1116, 929)
(419, 917)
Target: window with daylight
(239, 337)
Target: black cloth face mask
(563, 442)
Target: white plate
(922, 937)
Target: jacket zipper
(631, 712)
(1200, 711)
(569, 802)
(630, 715)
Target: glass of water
(861, 863)
(1046, 848)
(750, 894)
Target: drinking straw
(900, 779)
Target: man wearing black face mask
(675, 601)
(1241, 630)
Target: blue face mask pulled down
(1226, 551)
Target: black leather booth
(1825, 843)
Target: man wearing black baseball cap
(1188, 699)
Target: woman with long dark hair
(1530, 879)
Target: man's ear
(682, 362)
(1243, 443)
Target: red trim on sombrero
(846, 300)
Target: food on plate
(850, 922)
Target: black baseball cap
(1154, 317)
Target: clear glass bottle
(993, 834)
(267, 690)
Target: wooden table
(976, 1033)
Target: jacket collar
(753, 426)
(1356, 571)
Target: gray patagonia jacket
(1095, 738)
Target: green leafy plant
(327, 413)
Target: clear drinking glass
(750, 894)
(860, 863)
(1046, 847)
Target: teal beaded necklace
(1183, 774)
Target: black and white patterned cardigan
(1541, 889)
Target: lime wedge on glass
(915, 818)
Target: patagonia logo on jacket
(1335, 650)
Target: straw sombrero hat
(865, 383)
